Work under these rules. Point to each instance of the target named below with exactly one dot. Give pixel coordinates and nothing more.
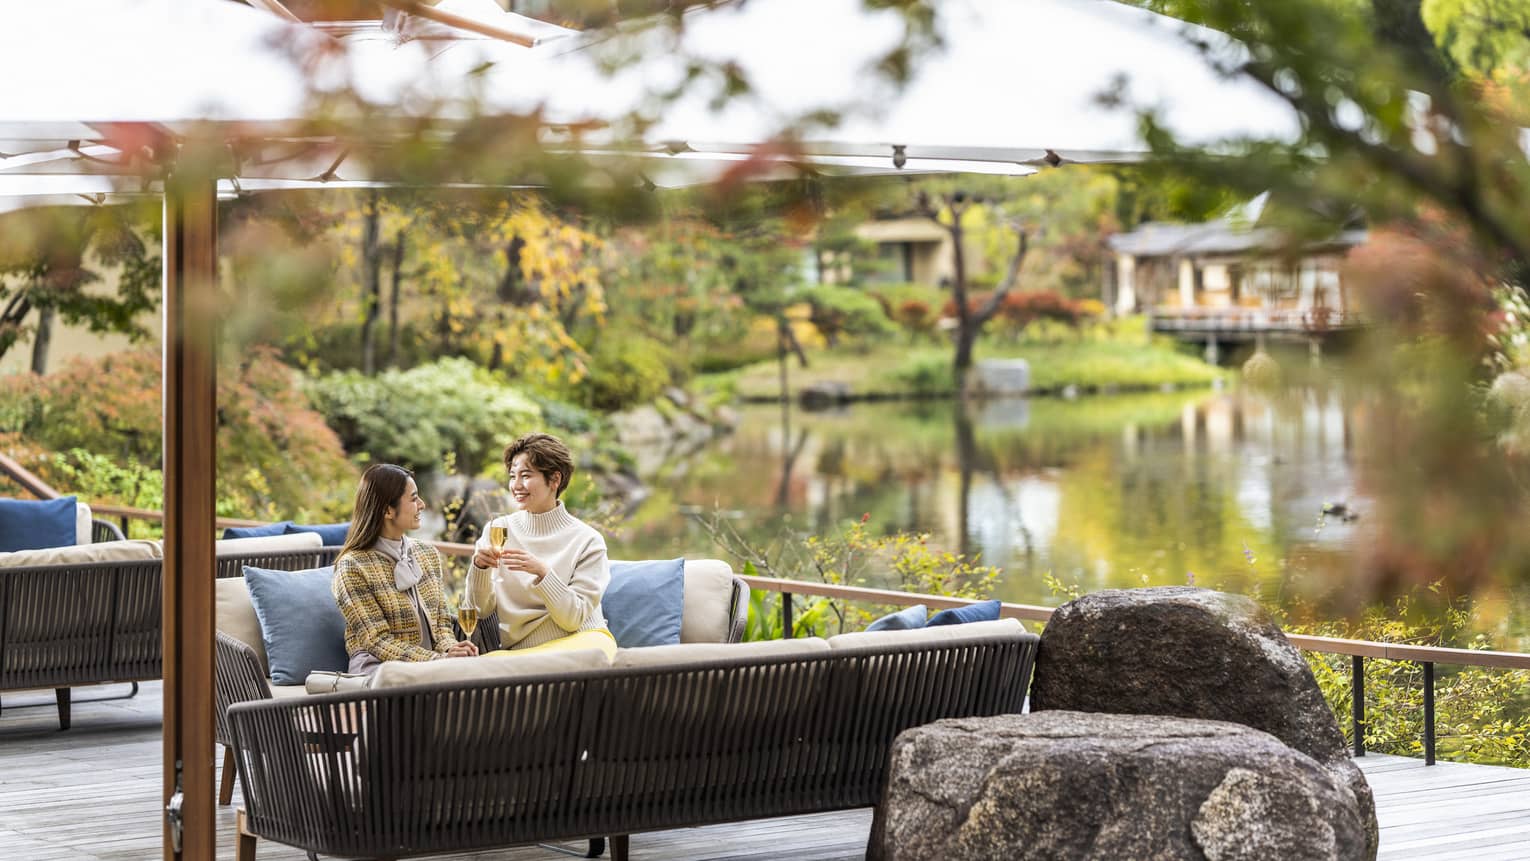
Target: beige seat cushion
(268, 543)
(999, 628)
(106, 551)
(708, 601)
(393, 674)
(236, 616)
(693, 653)
(287, 692)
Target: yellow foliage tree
(501, 281)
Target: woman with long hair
(547, 577)
(389, 586)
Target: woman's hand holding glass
(490, 557)
(467, 617)
(498, 557)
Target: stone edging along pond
(836, 393)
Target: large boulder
(1191, 653)
(1076, 785)
(641, 425)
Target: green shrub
(625, 370)
(755, 345)
(1481, 714)
(925, 374)
(99, 480)
(422, 416)
(110, 405)
(849, 556)
(337, 346)
(276, 456)
(562, 417)
(810, 616)
(838, 311)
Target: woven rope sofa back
(451, 767)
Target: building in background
(912, 249)
(1232, 281)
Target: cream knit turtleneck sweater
(566, 600)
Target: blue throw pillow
(257, 531)
(332, 533)
(299, 622)
(644, 602)
(983, 611)
(30, 524)
(906, 619)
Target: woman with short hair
(547, 579)
(387, 585)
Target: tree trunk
(497, 355)
(371, 286)
(43, 340)
(786, 393)
(15, 311)
(966, 461)
(970, 321)
(398, 265)
(512, 287)
(966, 332)
(789, 340)
(1400, 23)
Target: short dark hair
(546, 454)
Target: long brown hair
(381, 486)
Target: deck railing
(1357, 650)
(1237, 319)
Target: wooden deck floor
(92, 793)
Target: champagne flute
(499, 531)
(467, 615)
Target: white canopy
(1016, 83)
(1013, 80)
(75, 64)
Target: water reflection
(1225, 489)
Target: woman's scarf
(406, 574)
(406, 569)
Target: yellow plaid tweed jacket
(378, 617)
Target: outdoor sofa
(91, 614)
(568, 747)
(714, 608)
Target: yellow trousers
(598, 639)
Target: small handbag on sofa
(327, 682)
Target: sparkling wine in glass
(467, 616)
(498, 532)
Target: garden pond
(1227, 489)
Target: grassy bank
(1120, 358)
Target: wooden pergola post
(190, 404)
